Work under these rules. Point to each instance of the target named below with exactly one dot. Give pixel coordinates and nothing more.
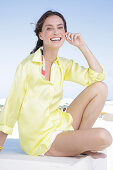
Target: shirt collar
(37, 56)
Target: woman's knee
(104, 137)
(101, 87)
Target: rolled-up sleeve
(10, 112)
(81, 75)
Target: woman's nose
(55, 31)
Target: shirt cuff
(6, 129)
(96, 75)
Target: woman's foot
(94, 154)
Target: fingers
(70, 36)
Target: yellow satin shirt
(34, 101)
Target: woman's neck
(50, 54)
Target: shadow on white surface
(13, 157)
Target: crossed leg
(84, 109)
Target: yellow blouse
(34, 101)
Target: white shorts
(53, 138)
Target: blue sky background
(92, 19)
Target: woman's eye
(49, 28)
(60, 27)
(52, 28)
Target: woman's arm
(76, 40)
(3, 137)
(92, 62)
(10, 112)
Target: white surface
(12, 157)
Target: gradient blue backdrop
(93, 19)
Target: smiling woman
(37, 90)
(53, 32)
(45, 24)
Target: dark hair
(38, 27)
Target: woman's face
(53, 32)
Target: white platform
(12, 157)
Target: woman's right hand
(3, 137)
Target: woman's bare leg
(95, 95)
(84, 109)
(72, 143)
(87, 106)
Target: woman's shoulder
(27, 59)
(25, 64)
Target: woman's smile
(56, 39)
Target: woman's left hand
(75, 39)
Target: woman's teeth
(55, 39)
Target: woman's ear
(40, 35)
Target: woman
(37, 89)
